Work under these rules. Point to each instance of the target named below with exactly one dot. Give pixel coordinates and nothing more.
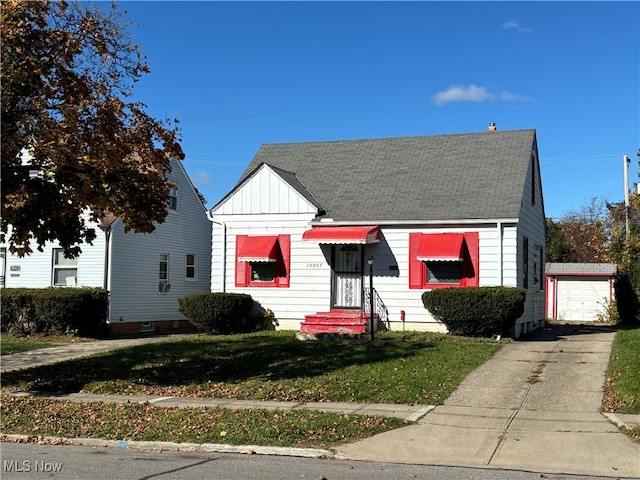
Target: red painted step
(336, 321)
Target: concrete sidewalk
(411, 413)
(534, 406)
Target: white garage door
(581, 299)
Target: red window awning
(259, 249)
(343, 235)
(441, 247)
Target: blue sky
(240, 74)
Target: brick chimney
(492, 127)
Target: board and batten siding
(264, 192)
(135, 260)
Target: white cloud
(513, 97)
(513, 25)
(473, 93)
(202, 178)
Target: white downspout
(500, 252)
(223, 286)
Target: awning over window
(259, 249)
(343, 235)
(441, 247)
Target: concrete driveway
(534, 406)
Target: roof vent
(492, 127)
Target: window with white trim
(190, 273)
(163, 274)
(172, 202)
(65, 270)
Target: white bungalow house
(304, 221)
(580, 292)
(144, 273)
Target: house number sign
(314, 265)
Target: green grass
(622, 389)
(411, 368)
(10, 344)
(131, 421)
(397, 368)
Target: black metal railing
(379, 308)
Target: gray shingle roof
(581, 269)
(422, 178)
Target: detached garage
(579, 292)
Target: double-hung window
(190, 273)
(65, 270)
(172, 202)
(163, 274)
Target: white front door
(347, 276)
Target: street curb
(174, 447)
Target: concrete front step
(347, 322)
(337, 328)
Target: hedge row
(62, 311)
(225, 313)
(478, 311)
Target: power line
(217, 162)
(580, 159)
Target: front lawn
(622, 387)
(10, 344)
(409, 368)
(144, 422)
(420, 368)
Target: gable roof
(593, 269)
(423, 178)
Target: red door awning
(441, 247)
(343, 235)
(259, 249)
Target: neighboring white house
(579, 292)
(298, 229)
(144, 273)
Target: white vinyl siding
(36, 270)
(310, 286)
(135, 260)
(532, 226)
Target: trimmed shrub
(221, 313)
(62, 311)
(477, 311)
(17, 313)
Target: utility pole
(626, 160)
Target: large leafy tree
(584, 234)
(625, 250)
(557, 249)
(73, 140)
